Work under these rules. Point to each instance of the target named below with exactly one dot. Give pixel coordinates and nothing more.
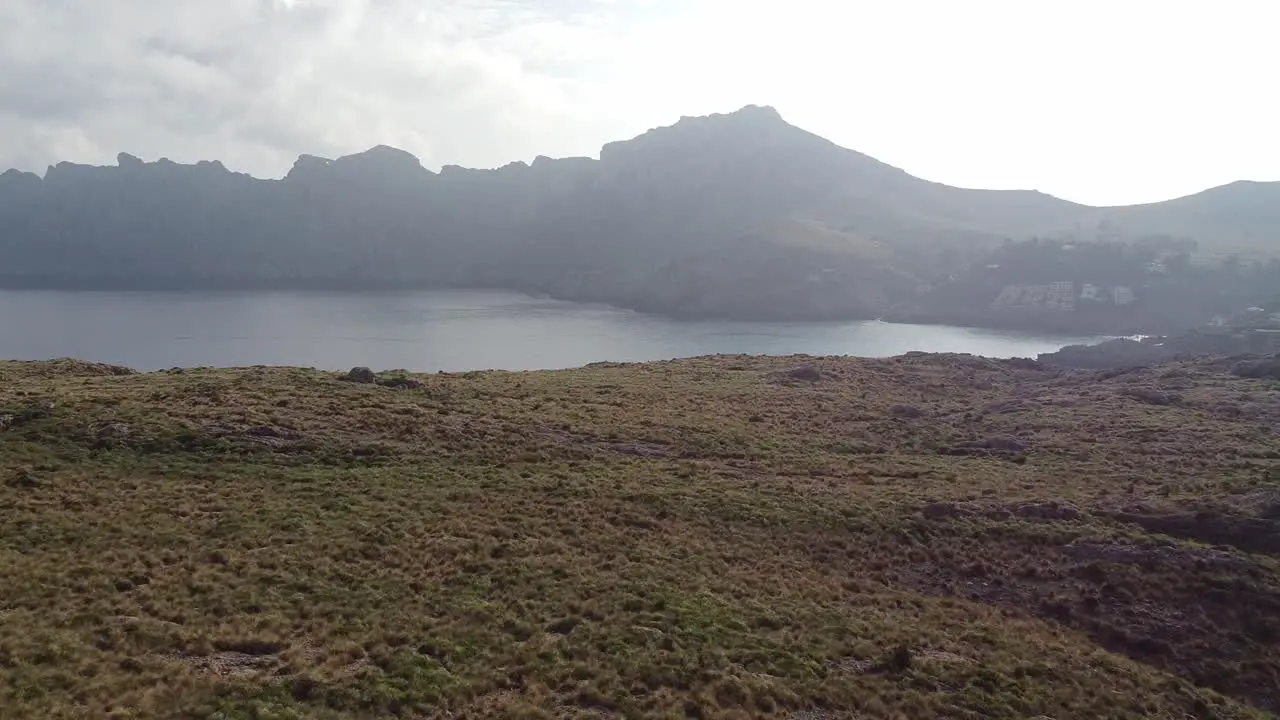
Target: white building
(1061, 295)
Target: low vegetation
(919, 537)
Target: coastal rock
(361, 375)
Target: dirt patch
(23, 479)
(638, 448)
(1250, 534)
(850, 665)
(1051, 510)
(353, 668)
(1151, 397)
(111, 430)
(11, 418)
(906, 412)
(272, 437)
(1157, 555)
(591, 446)
(1267, 369)
(801, 375)
(230, 664)
(1045, 511)
(1194, 612)
(940, 511)
(943, 656)
(1005, 407)
(402, 383)
(805, 373)
(1002, 444)
(998, 446)
(1262, 503)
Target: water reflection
(428, 331)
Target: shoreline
(1044, 325)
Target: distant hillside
(735, 215)
(1243, 216)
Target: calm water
(427, 331)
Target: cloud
(1092, 100)
(257, 82)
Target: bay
(429, 331)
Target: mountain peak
(757, 112)
(18, 178)
(307, 165)
(756, 115)
(383, 156)
(749, 125)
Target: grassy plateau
(927, 536)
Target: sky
(1097, 101)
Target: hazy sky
(1099, 101)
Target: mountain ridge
(736, 214)
(126, 158)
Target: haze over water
(428, 331)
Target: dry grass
(919, 537)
